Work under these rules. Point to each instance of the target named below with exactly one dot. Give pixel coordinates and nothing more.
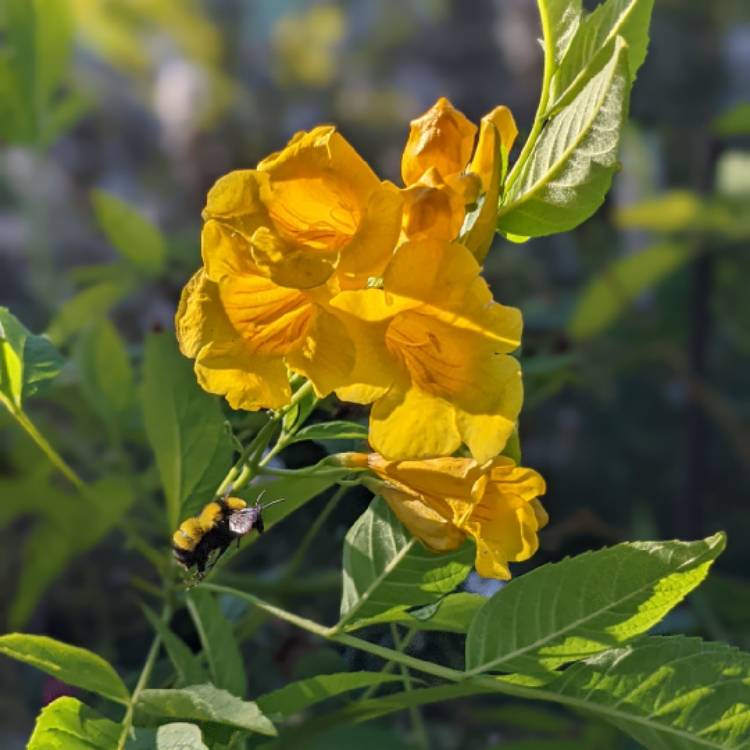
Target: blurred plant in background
(117, 117)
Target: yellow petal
(434, 530)
(372, 246)
(247, 380)
(235, 194)
(446, 476)
(505, 530)
(200, 318)
(487, 412)
(225, 252)
(271, 319)
(374, 369)
(518, 480)
(409, 423)
(442, 138)
(322, 153)
(290, 265)
(372, 305)
(326, 356)
(481, 232)
(432, 212)
(491, 140)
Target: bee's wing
(243, 521)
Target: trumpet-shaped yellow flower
(444, 500)
(277, 243)
(432, 354)
(442, 178)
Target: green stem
(54, 457)
(539, 119)
(420, 732)
(252, 457)
(127, 722)
(389, 666)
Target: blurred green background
(637, 324)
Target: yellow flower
(431, 352)
(444, 500)
(441, 181)
(277, 243)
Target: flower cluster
(313, 265)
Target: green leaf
(92, 303)
(38, 35)
(734, 121)
(569, 169)
(136, 238)
(222, 652)
(186, 663)
(296, 696)
(179, 736)
(68, 724)
(451, 614)
(205, 703)
(70, 664)
(672, 211)
(560, 20)
(679, 693)
(338, 430)
(184, 425)
(27, 362)
(586, 604)
(386, 567)
(106, 373)
(609, 293)
(65, 525)
(628, 19)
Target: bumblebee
(220, 523)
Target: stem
(389, 666)
(539, 118)
(418, 726)
(127, 722)
(54, 457)
(247, 464)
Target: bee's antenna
(273, 502)
(260, 497)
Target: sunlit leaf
(205, 703)
(608, 294)
(222, 652)
(386, 567)
(136, 238)
(451, 614)
(68, 724)
(628, 19)
(179, 736)
(185, 427)
(70, 664)
(560, 20)
(27, 362)
(570, 168)
(586, 604)
(678, 693)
